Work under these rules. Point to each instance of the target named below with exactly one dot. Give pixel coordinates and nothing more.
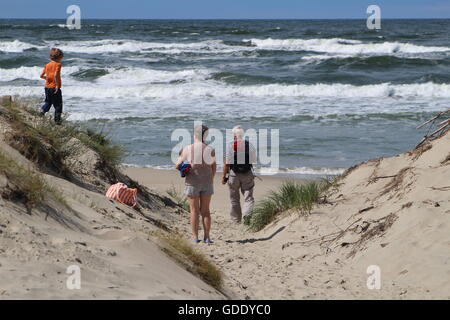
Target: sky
(224, 9)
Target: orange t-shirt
(50, 71)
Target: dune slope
(389, 214)
(66, 220)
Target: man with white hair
(239, 160)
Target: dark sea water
(338, 93)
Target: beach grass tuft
(291, 195)
(110, 153)
(42, 141)
(195, 262)
(330, 183)
(26, 185)
(179, 198)
(37, 143)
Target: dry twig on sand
(323, 239)
(367, 230)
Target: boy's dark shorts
(53, 99)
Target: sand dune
(110, 242)
(391, 213)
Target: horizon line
(89, 18)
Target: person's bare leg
(194, 205)
(206, 215)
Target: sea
(337, 92)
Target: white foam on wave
(321, 57)
(343, 46)
(118, 46)
(126, 76)
(264, 171)
(86, 116)
(214, 89)
(115, 77)
(62, 26)
(16, 46)
(31, 73)
(334, 45)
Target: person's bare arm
(214, 163)
(214, 168)
(226, 169)
(43, 76)
(181, 158)
(58, 80)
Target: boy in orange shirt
(52, 76)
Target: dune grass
(330, 183)
(195, 262)
(179, 198)
(26, 185)
(291, 195)
(110, 153)
(35, 143)
(42, 141)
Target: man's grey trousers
(241, 183)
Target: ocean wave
(214, 89)
(62, 26)
(263, 171)
(110, 76)
(343, 46)
(118, 46)
(16, 46)
(338, 114)
(126, 76)
(300, 171)
(320, 57)
(363, 62)
(31, 73)
(333, 46)
(18, 60)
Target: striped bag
(121, 193)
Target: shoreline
(303, 173)
(161, 180)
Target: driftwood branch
(443, 122)
(441, 188)
(384, 177)
(442, 127)
(433, 119)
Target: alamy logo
(374, 278)
(374, 20)
(74, 280)
(266, 144)
(74, 20)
